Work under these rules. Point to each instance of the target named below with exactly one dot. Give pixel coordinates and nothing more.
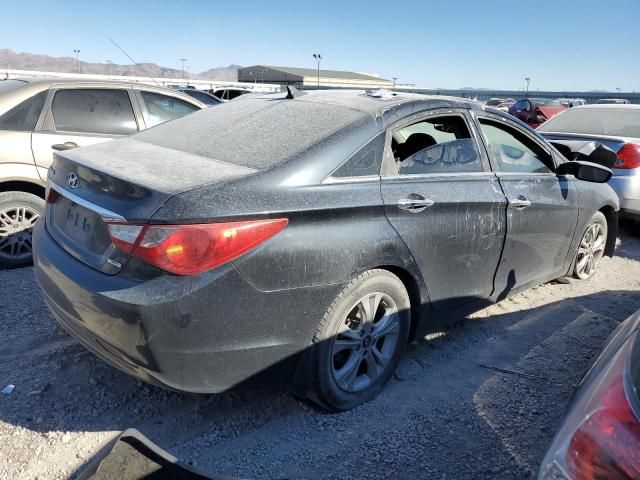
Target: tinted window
(521, 105)
(235, 93)
(436, 145)
(203, 97)
(365, 161)
(23, 117)
(513, 151)
(11, 84)
(596, 121)
(88, 110)
(163, 108)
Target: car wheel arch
(611, 215)
(23, 186)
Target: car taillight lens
(628, 156)
(192, 249)
(600, 438)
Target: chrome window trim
(457, 175)
(106, 215)
(362, 179)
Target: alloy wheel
(590, 251)
(16, 231)
(365, 344)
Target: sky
(560, 45)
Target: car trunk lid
(121, 181)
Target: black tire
(18, 213)
(378, 352)
(590, 250)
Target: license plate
(74, 220)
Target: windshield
(596, 121)
(9, 85)
(545, 102)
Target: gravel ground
(444, 415)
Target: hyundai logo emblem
(72, 180)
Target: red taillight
(628, 156)
(607, 444)
(192, 249)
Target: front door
(543, 208)
(82, 116)
(447, 206)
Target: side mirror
(587, 171)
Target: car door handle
(64, 146)
(414, 203)
(520, 202)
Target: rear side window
(436, 145)
(513, 151)
(162, 108)
(365, 162)
(98, 111)
(23, 117)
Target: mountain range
(29, 61)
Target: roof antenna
(134, 62)
(293, 92)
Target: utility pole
(110, 63)
(394, 82)
(262, 71)
(77, 52)
(318, 57)
(528, 80)
(183, 60)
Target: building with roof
(310, 77)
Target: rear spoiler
(132, 456)
(589, 151)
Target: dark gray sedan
(306, 238)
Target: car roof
(37, 84)
(621, 106)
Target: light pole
(528, 80)
(77, 52)
(394, 82)
(262, 70)
(110, 63)
(183, 60)
(318, 57)
(618, 89)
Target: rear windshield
(545, 102)
(8, 85)
(256, 132)
(596, 121)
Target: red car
(534, 111)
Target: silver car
(40, 116)
(617, 127)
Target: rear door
(82, 116)
(446, 204)
(542, 207)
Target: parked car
(600, 435)
(612, 101)
(504, 107)
(617, 127)
(571, 102)
(312, 239)
(205, 97)
(494, 102)
(535, 111)
(42, 116)
(229, 93)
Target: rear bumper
(202, 334)
(628, 189)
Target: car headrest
(415, 143)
